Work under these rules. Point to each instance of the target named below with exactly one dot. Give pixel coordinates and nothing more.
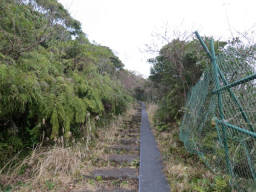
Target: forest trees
(53, 81)
(174, 71)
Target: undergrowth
(61, 168)
(185, 172)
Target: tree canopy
(174, 71)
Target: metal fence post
(220, 105)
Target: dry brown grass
(60, 168)
(151, 110)
(49, 168)
(181, 167)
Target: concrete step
(129, 141)
(115, 190)
(116, 173)
(125, 147)
(129, 158)
(130, 130)
(106, 190)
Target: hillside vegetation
(55, 85)
(186, 131)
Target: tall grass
(60, 166)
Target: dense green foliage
(174, 71)
(53, 81)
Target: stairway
(134, 160)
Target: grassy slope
(184, 171)
(63, 169)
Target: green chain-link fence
(220, 117)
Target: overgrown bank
(64, 169)
(189, 84)
(184, 171)
(55, 85)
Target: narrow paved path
(151, 177)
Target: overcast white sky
(127, 25)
